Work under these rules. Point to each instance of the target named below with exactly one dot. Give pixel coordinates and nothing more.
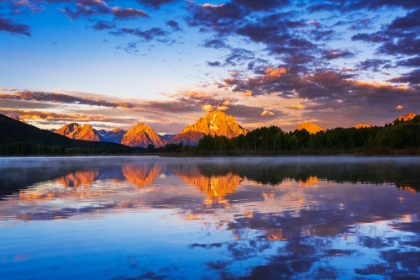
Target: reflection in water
(214, 186)
(79, 178)
(148, 217)
(141, 175)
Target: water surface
(233, 218)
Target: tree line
(396, 136)
(28, 148)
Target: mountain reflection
(214, 186)
(141, 175)
(79, 178)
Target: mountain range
(215, 123)
(141, 135)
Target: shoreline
(211, 154)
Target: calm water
(158, 218)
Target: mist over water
(262, 218)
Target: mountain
(362, 125)
(190, 138)
(407, 117)
(142, 135)
(217, 123)
(75, 131)
(113, 136)
(310, 127)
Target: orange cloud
(50, 116)
(297, 107)
(275, 73)
(247, 93)
(208, 107)
(267, 113)
(399, 107)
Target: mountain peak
(310, 127)
(141, 135)
(75, 131)
(217, 123)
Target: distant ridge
(310, 127)
(407, 117)
(190, 138)
(114, 136)
(362, 125)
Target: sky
(166, 62)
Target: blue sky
(267, 62)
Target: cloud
(41, 96)
(208, 107)
(334, 54)
(247, 93)
(53, 117)
(370, 38)
(250, 116)
(262, 5)
(332, 92)
(409, 21)
(218, 17)
(239, 56)
(412, 78)
(156, 4)
(399, 107)
(101, 25)
(128, 13)
(214, 63)
(297, 107)
(147, 35)
(267, 113)
(411, 62)
(88, 8)
(372, 64)
(215, 44)
(275, 73)
(357, 5)
(361, 24)
(174, 25)
(8, 25)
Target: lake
(219, 218)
